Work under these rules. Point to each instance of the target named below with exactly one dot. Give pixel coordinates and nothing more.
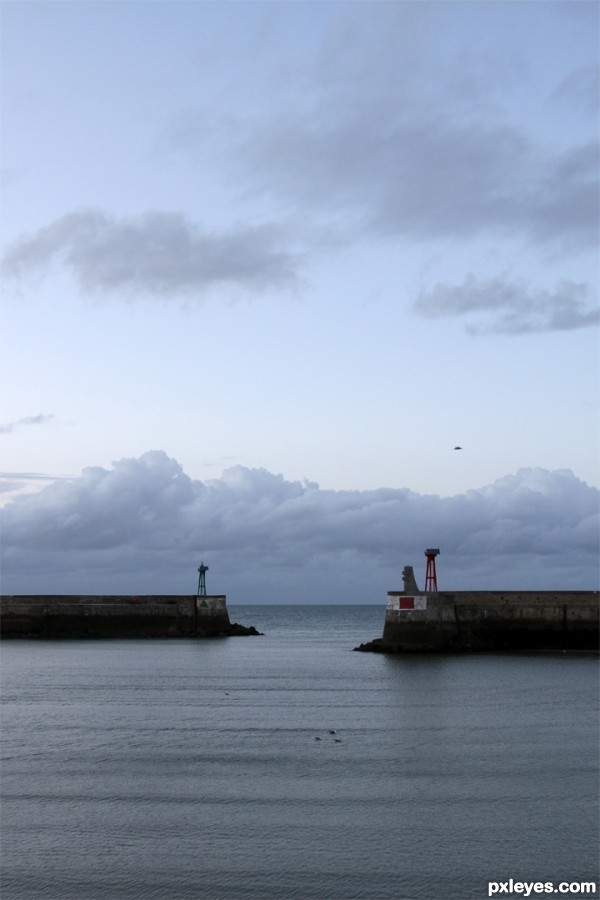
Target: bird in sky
(458, 448)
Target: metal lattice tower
(202, 570)
(430, 573)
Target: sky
(264, 265)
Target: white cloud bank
(144, 526)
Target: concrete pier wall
(491, 620)
(95, 616)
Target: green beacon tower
(202, 570)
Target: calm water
(176, 769)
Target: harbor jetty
(458, 621)
(117, 616)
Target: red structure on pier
(430, 573)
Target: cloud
(504, 307)
(13, 484)
(580, 88)
(395, 123)
(10, 427)
(395, 135)
(144, 525)
(157, 253)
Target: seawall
(489, 620)
(108, 616)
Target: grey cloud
(157, 253)
(565, 206)
(392, 136)
(10, 427)
(580, 88)
(143, 526)
(12, 483)
(30, 476)
(510, 307)
(424, 174)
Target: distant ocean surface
(207, 769)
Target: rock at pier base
(242, 630)
(375, 646)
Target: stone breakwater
(489, 621)
(118, 616)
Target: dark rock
(371, 646)
(241, 630)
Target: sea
(289, 767)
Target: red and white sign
(405, 603)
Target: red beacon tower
(430, 573)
